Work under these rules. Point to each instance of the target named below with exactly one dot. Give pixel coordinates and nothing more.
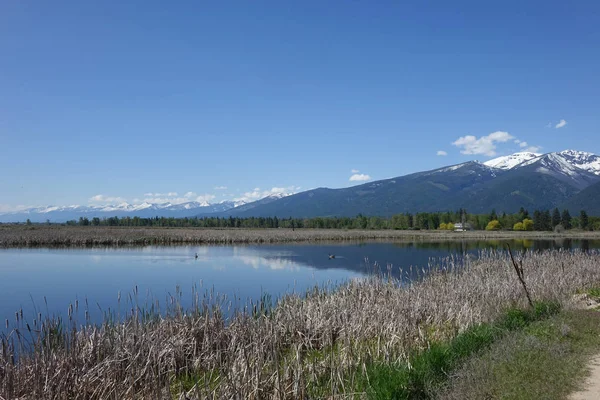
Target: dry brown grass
(41, 235)
(308, 346)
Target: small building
(462, 227)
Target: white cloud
(533, 149)
(220, 187)
(205, 198)
(356, 176)
(5, 208)
(103, 199)
(359, 177)
(441, 153)
(169, 194)
(484, 145)
(258, 194)
(174, 198)
(561, 124)
(525, 146)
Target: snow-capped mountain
(563, 167)
(582, 160)
(65, 213)
(578, 168)
(570, 162)
(469, 167)
(276, 196)
(506, 183)
(511, 161)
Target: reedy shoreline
(307, 346)
(42, 235)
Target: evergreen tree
(555, 218)
(547, 220)
(537, 221)
(565, 219)
(523, 213)
(583, 220)
(493, 215)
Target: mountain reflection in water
(30, 277)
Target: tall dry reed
(41, 235)
(306, 346)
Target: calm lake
(33, 277)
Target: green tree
(375, 223)
(523, 213)
(546, 221)
(583, 220)
(399, 221)
(28, 222)
(518, 227)
(537, 221)
(565, 219)
(555, 217)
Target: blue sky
(110, 101)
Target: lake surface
(33, 277)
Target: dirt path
(591, 389)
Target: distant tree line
(540, 220)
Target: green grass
(544, 360)
(200, 383)
(427, 370)
(594, 292)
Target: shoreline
(44, 236)
(350, 340)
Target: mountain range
(567, 179)
(144, 210)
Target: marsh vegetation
(326, 342)
(56, 235)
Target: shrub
(559, 228)
(527, 224)
(493, 225)
(518, 227)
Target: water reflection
(29, 276)
(517, 244)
